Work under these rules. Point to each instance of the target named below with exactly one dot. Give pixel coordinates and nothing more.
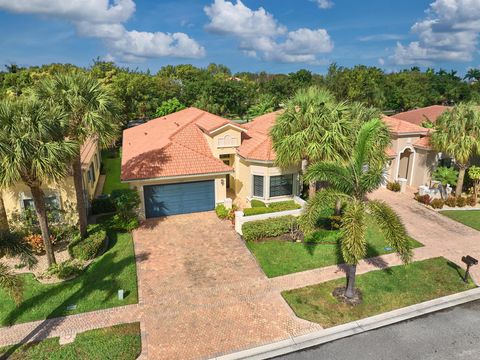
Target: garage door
(181, 198)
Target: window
(281, 185)
(91, 174)
(258, 186)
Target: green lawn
(121, 342)
(382, 290)
(467, 217)
(281, 257)
(95, 289)
(112, 165)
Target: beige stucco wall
(421, 162)
(220, 187)
(230, 132)
(244, 171)
(64, 190)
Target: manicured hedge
(88, 248)
(257, 203)
(272, 207)
(256, 230)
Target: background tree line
(245, 95)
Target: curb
(355, 327)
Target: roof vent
(176, 123)
(146, 133)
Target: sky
(279, 36)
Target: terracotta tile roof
(423, 143)
(87, 151)
(174, 145)
(418, 116)
(256, 143)
(399, 127)
(390, 152)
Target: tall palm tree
(33, 150)
(352, 181)
(457, 133)
(314, 127)
(91, 111)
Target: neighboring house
(421, 115)
(60, 195)
(411, 156)
(192, 160)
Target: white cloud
(448, 33)
(324, 4)
(104, 20)
(260, 35)
(381, 37)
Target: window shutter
(258, 186)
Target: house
(421, 115)
(192, 160)
(61, 195)
(410, 155)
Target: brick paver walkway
(202, 293)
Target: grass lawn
(383, 290)
(112, 165)
(281, 257)
(95, 289)
(121, 342)
(467, 217)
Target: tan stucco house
(192, 160)
(61, 195)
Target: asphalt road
(450, 334)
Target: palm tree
(3, 214)
(314, 127)
(12, 244)
(352, 181)
(457, 133)
(90, 109)
(473, 74)
(33, 150)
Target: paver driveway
(202, 292)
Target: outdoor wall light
(470, 261)
(223, 182)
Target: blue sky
(275, 36)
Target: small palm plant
(352, 181)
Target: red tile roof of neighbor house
(418, 116)
(423, 143)
(398, 126)
(256, 143)
(170, 146)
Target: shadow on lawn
(97, 278)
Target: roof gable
(418, 116)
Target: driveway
(202, 292)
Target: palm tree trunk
(338, 207)
(39, 202)
(3, 214)
(350, 290)
(461, 177)
(81, 208)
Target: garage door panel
(179, 198)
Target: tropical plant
(446, 176)
(91, 111)
(457, 133)
(352, 181)
(314, 127)
(34, 151)
(474, 173)
(3, 214)
(168, 107)
(266, 103)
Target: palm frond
(12, 244)
(354, 230)
(11, 283)
(392, 227)
(338, 176)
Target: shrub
(257, 211)
(63, 233)
(451, 201)
(437, 203)
(88, 248)
(461, 201)
(256, 230)
(222, 211)
(424, 199)
(393, 186)
(472, 200)
(102, 206)
(257, 203)
(284, 205)
(66, 269)
(117, 223)
(126, 202)
(35, 241)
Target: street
(446, 335)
